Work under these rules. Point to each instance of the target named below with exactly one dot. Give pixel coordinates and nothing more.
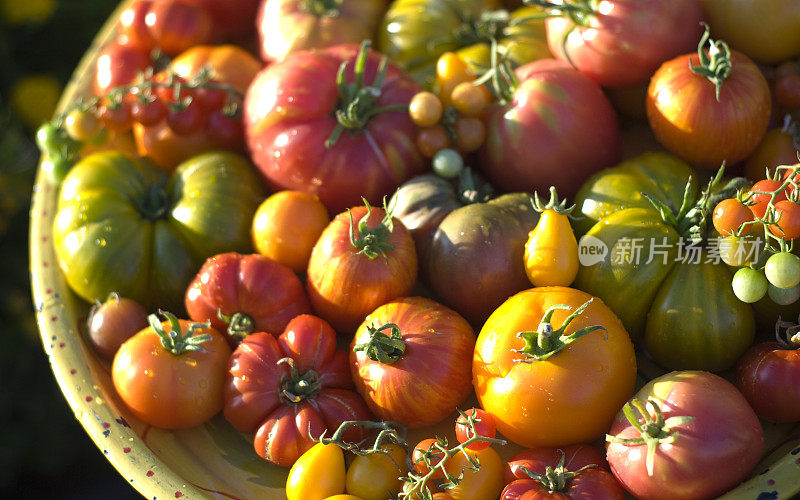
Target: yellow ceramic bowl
(214, 460)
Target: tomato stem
(240, 324)
(383, 348)
(555, 479)
(372, 241)
(715, 65)
(559, 207)
(173, 340)
(298, 387)
(653, 429)
(546, 342)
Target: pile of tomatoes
(329, 222)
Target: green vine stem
(546, 342)
(389, 432)
(789, 185)
(652, 428)
(435, 458)
(240, 325)
(580, 12)
(372, 242)
(174, 341)
(297, 387)
(715, 65)
(358, 102)
(381, 347)
(555, 479)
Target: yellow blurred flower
(34, 98)
(24, 11)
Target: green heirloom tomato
(123, 225)
(414, 33)
(659, 269)
(660, 175)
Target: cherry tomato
(431, 140)
(187, 120)
(729, 215)
(788, 214)
(451, 70)
(782, 269)
(484, 426)
(749, 285)
(761, 201)
(287, 225)
(165, 380)
(427, 449)
(484, 484)
(176, 26)
(738, 251)
(82, 125)
(469, 99)
(470, 133)
(425, 109)
(447, 163)
(148, 111)
(377, 476)
(116, 117)
(227, 130)
(113, 322)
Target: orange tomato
(287, 225)
(567, 398)
(176, 388)
(230, 64)
(484, 484)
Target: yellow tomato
(377, 476)
(287, 225)
(484, 484)
(344, 496)
(542, 389)
(319, 473)
(551, 252)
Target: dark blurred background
(44, 452)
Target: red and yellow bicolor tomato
(544, 384)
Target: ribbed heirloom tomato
(544, 384)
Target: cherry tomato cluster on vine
(449, 116)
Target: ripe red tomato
(484, 426)
(294, 109)
(710, 438)
(553, 109)
(576, 471)
(689, 120)
(729, 215)
(118, 64)
(350, 274)
(769, 377)
(392, 353)
(290, 389)
(787, 213)
(242, 294)
(233, 19)
(623, 42)
(172, 373)
(427, 448)
(175, 25)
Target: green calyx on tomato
(654, 430)
(715, 65)
(298, 386)
(559, 207)
(358, 102)
(372, 241)
(381, 347)
(554, 479)
(240, 324)
(321, 8)
(546, 342)
(173, 340)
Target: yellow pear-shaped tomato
(319, 473)
(551, 252)
(375, 476)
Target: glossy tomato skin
(766, 30)
(286, 26)
(267, 293)
(118, 64)
(156, 230)
(710, 454)
(474, 260)
(483, 484)
(254, 397)
(592, 483)
(689, 121)
(169, 391)
(628, 39)
(344, 285)
(289, 114)
(553, 109)
(568, 398)
(769, 377)
(233, 19)
(408, 391)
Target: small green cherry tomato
(783, 270)
(447, 163)
(784, 296)
(749, 285)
